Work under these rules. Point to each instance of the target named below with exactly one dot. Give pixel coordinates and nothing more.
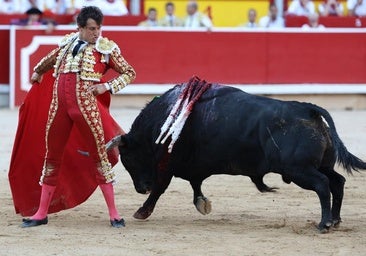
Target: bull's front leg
(163, 181)
(203, 205)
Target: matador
(78, 122)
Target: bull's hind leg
(336, 184)
(312, 179)
(203, 205)
(258, 181)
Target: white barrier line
(260, 89)
(147, 89)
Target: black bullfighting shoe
(118, 223)
(27, 223)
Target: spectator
(301, 8)
(25, 5)
(170, 20)
(252, 19)
(34, 18)
(19, 6)
(196, 19)
(356, 8)
(54, 6)
(9, 7)
(313, 22)
(151, 20)
(331, 8)
(108, 7)
(272, 20)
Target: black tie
(77, 47)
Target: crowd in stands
(109, 7)
(193, 18)
(307, 8)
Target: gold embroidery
(68, 38)
(106, 46)
(127, 73)
(72, 64)
(46, 62)
(51, 116)
(88, 107)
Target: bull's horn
(114, 142)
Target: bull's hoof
(142, 214)
(203, 205)
(336, 223)
(324, 228)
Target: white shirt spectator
(356, 7)
(313, 23)
(330, 8)
(301, 7)
(56, 7)
(307, 27)
(108, 7)
(17, 6)
(10, 7)
(194, 18)
(267, 22)
(197, 20)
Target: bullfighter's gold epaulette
(68, 38)
(106, 46)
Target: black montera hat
(34, 10)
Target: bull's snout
(143, 187)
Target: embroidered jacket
(91, 62)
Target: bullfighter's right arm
(44, 65)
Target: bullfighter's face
(91, 32)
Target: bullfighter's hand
(97, 89)
(36, 77)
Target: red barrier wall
(224, 56)
(329, 21)
(4, 55)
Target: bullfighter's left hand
(97, 89)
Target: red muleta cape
(76, 180)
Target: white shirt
(250, 25)
(360, 10)
(10, 7)
(117, 8)
(57, 7)
(307, 27)
(197, 20)
(266, 22)
(295, 8)
(15, 6)
(332, 11)
(170, 21)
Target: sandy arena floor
(242, 222)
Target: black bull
(232, 132)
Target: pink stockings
(47, 193)
(108, 193)
(44, 203)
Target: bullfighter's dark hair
(89, 12)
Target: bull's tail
(346, 159)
